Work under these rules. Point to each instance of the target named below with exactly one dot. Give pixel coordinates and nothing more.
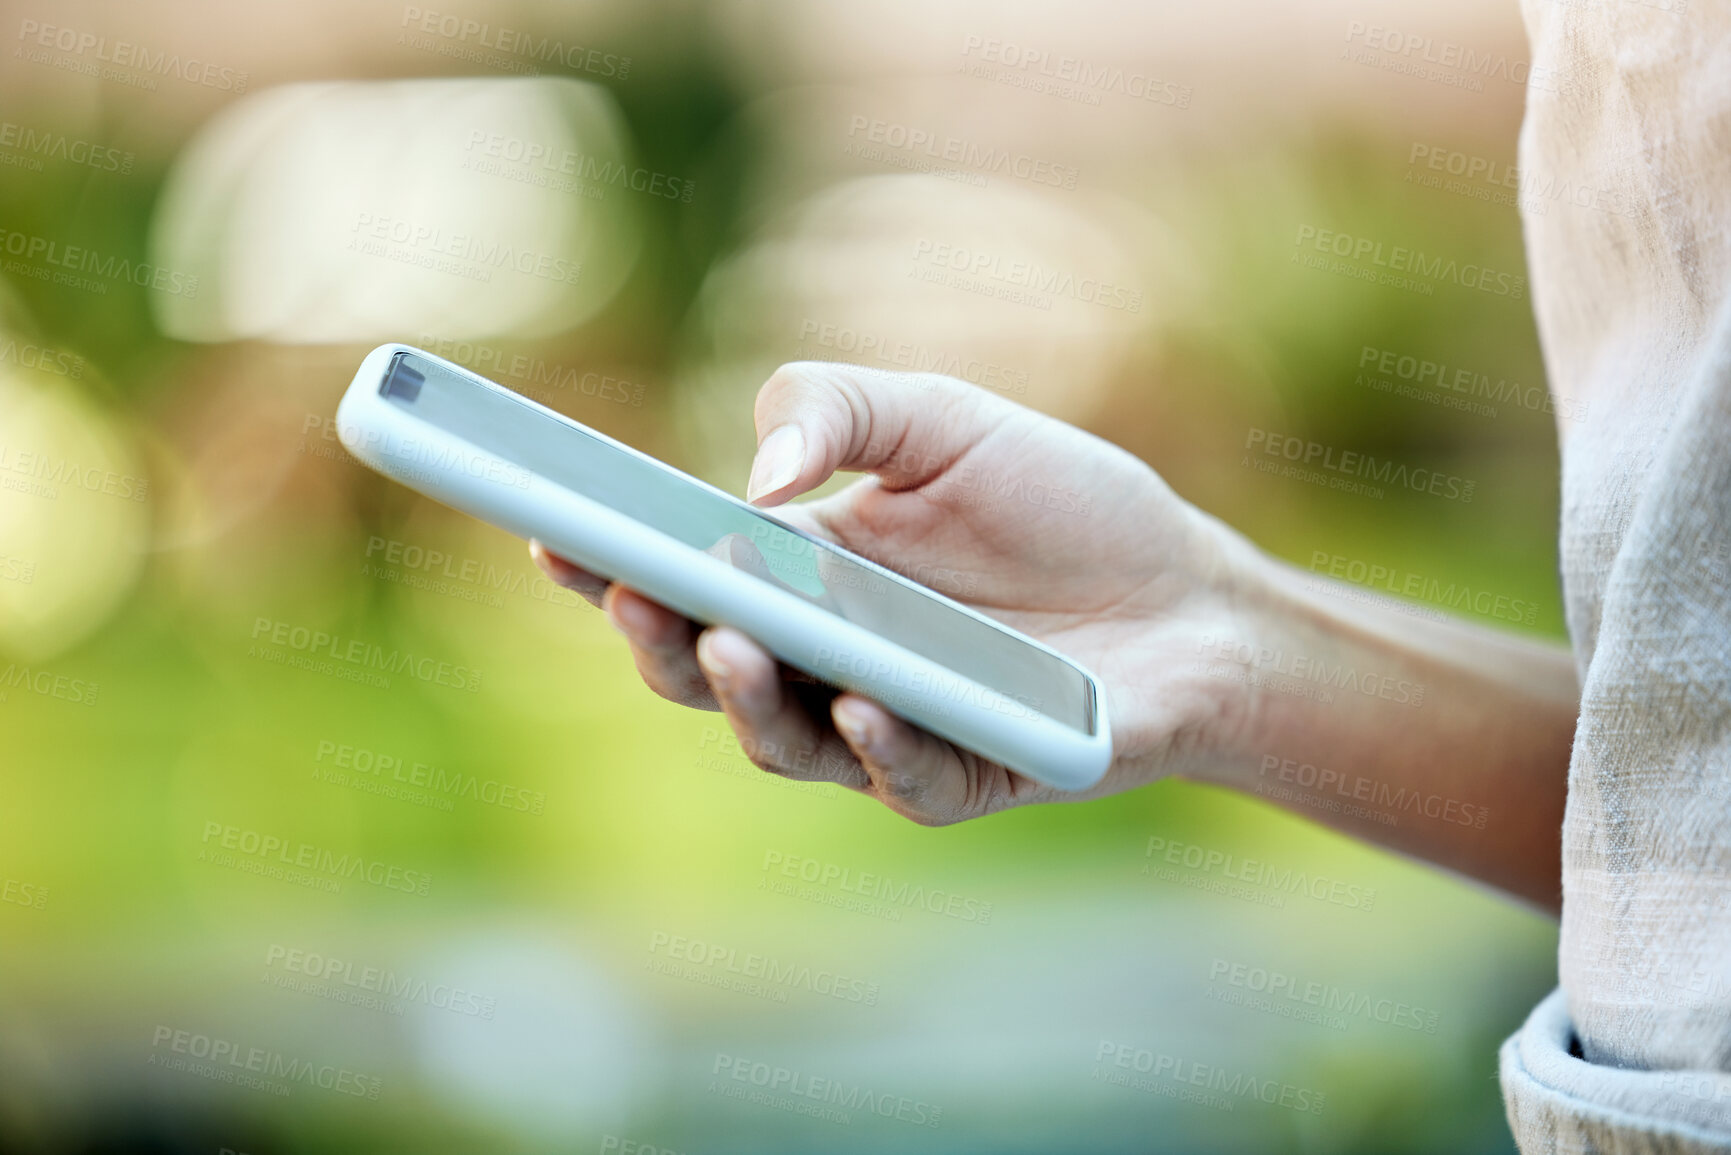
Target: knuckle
(792, 373)
(789, 379)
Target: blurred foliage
(651, 822)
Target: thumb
(817, 417)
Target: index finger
(817, 417)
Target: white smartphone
(480, 448)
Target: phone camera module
(402, 381)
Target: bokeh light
(348, 212)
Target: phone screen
(661, 497)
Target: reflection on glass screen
(739, 535)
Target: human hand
(1048, 529)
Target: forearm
(1445, 740)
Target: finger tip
(858, 720)
(771, 498)
(544, 562)
(558, 570)
(632, 614)
(859, 707)
(732, 643)
(618, 595)
(744, 667)
(782, 458)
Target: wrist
(1242, 666)
(1275, 666)
(1190, 704)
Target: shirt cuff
(1559, 1104)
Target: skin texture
(1461, 734)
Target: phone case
(393, 441)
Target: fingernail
(853, 727)
(543, 560)
(557, 570)
(780, 459)
(720, 673)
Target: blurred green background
(207, 216)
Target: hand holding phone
(1048, 529)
